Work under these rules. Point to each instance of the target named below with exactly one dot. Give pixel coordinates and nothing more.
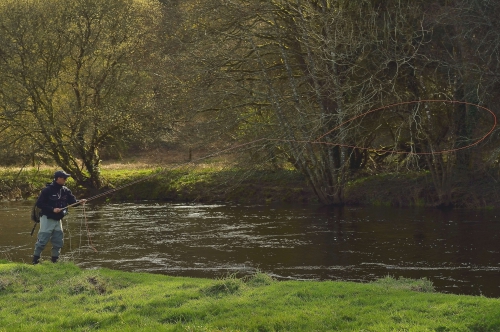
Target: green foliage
(84, 78)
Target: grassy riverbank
(56, 297)
(208, 183)
(205, 183)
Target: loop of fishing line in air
(476, 142)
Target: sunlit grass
(57, 297)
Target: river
(458, 250)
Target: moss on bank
(207, 185)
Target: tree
(288, 72)
(77, 76)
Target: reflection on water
(457, 250)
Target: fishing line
(89, 237)
(83, 220)
(69, 234)
(81, 232)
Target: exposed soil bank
(259, 187)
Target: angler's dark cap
(61, 174)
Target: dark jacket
(55, 196)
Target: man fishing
(54, 200)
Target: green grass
(63, 297)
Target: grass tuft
(88, 284)
(418, 285)
(259, 279)
(226, 286)
(4, 283)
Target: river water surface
(458, 250)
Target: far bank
(206, 184)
